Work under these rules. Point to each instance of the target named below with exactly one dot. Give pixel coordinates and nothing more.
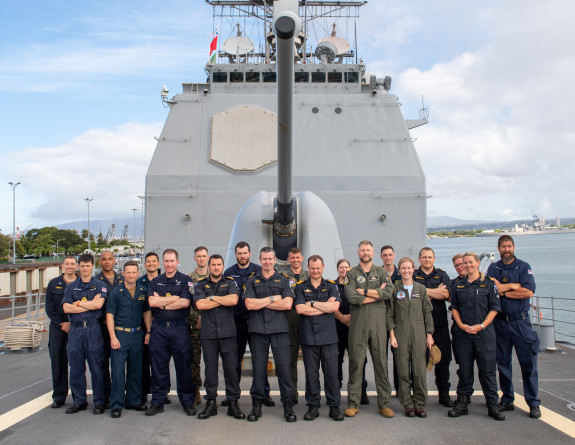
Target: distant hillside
(102, 225)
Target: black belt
(85, 323)
(171, 323)
(131, 330)
(513, 317)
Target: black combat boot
(445, 400)
(312, 413)
(288, 413)
(210, 410)
(460, 407)
(256, 411)
(335, 413)
(235, 411)
(493, 411)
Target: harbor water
(552, 259)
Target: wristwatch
(272, 298)
(312, 302)
(365, 292)
(211, 298)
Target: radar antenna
(424, 112)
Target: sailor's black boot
(460, 407)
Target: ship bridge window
(317, 77)
(252, 76)
(351, 77)
(334, 77)
(269, 77)
(301, 77)
(220, 77)
(236, 77)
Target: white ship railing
(18, 308)
(545, 312)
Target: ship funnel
(286, 25)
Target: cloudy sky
(80, 104)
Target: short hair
(215, 256)
(365, 243)
(131, 263)
(405, 260)
(267, 249)
(295, 250)
(197, 249)
(149, 254)
(343, 260)
(174, 251)
(385, 248)
(69, 257)
(241, 245)
(456, 257)
(426, 249)
(503, 239)
(86, 258)
(315, 258)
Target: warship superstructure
(220, 171)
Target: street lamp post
(89, 200)
(14, 185)
(143, 198)
(57, 251)
(134, 210)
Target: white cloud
(501, 133)
(106, 165)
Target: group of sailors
(125, 325)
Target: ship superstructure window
(252, 76)
(236, 77)
(317, 77)
(351, 77)
(334, 77)
(219, 77)
(301, 77)
(268, 77)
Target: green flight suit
(293, 324)
(410, 318)
(193, 318)
(368, 329)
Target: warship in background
(537, 227)
(226, 141)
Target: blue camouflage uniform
(318, 339)
(218, 337)
(85, 341)
(269, 326)
(118, 279)
(514, 330)
(473, 301)
(57, 338)
(128, 313)
(171, 338)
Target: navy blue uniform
(144, 282)
(85, 341)
(395, 276)
(269, 326)
(242, 315)
(128, 313)
(218, 336)
(171, 338)
(57, 338)
(514, 330)
(473, 301)
(118, 279)
(318, 339)
(441, 327)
